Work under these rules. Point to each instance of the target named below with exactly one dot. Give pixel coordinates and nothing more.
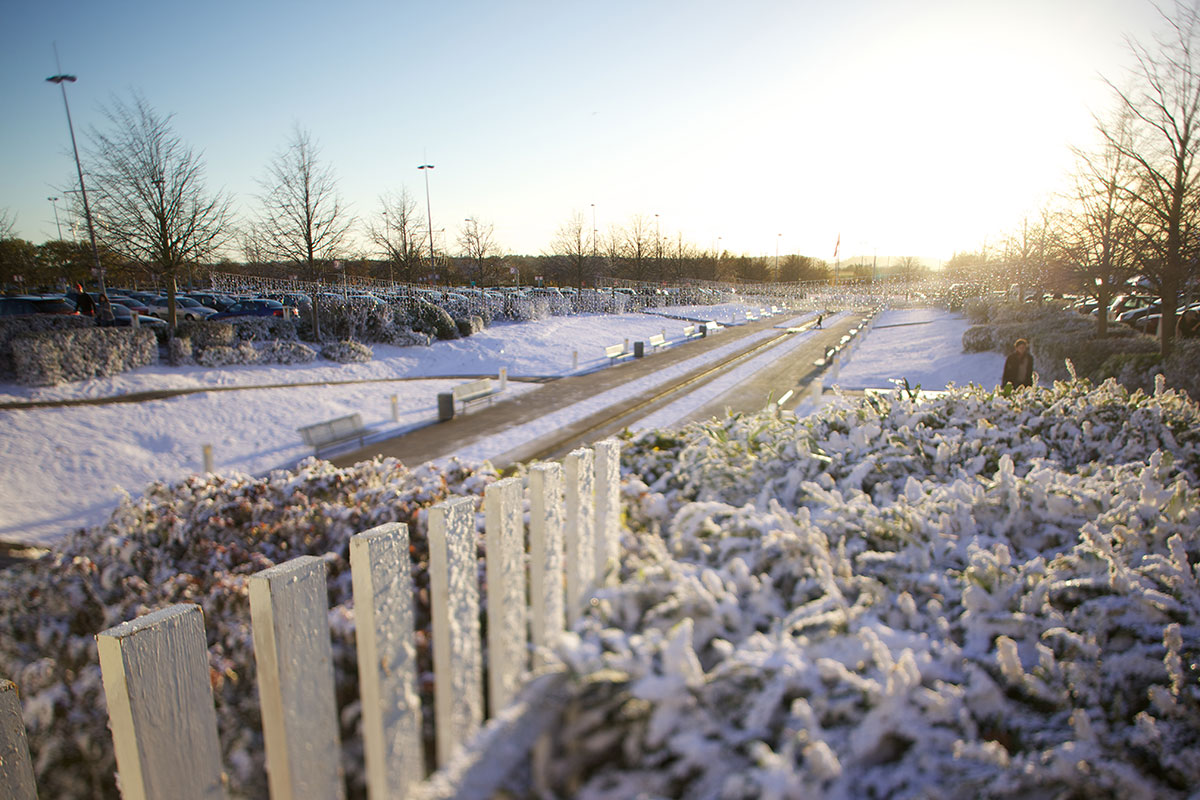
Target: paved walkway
(444, 439)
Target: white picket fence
(156, 674)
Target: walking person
(1018, 367)
(104, 312)
(83, 301)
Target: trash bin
(639, 349)
(445, 406)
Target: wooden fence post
(580, 530)
(547, 614)
(454, 603)
(16, 770)
(381, 570)
(608, 508)
(289, 613)
(160, 705)
(508, 652)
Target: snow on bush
(179, 351)
(468, 326)
(261, 329)
(347, 352)
(219, 356)
(59, 356)
(286, 352)
(977, 595)
(432, 320)
(403, 337)
(12, 327)
(198, 541)
(207, 334)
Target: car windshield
(187, 302)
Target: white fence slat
(547, 613)
(580, 530)
(454, 602)
(160, 705)
(508, 651)
(289, 612)
(381, 570)
(608, 508)
(16, 770)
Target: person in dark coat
(104, 312)
(83, 301)
(1018, 367)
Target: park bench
(616, 352)
(691, 331)
(709, 327)
(474, 392)
(656, 341)
(751, 316)
(334, 432)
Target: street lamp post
(428, 212)
(87, 212)
(57, 224)
(778, 236)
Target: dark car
(220, 302)
(123, 316)
(258, 308)
(128, 302)
(29, 304)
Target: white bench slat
(508, 653)
(454, 601)
(381, 571)
(472, 389)
(548, 614)
(657, 340)
(580, 530)
(289, 614)
(16, 770)
(160, 705)
(334, 431)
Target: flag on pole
(836, 246)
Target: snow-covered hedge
(12, 327)
(198, 541)
(286, 352)
(261, 329)
(433, 320)
(59, 356)
(207, 334)
(970, 596)
(468, 326)
(220, 356)
(347, 352)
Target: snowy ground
(67, 467)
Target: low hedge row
(51, 357)
(12, 327)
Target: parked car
(130, 303)
(34, 304)
(220, 302)
(123, 316)
(258, 308)
(185, 308)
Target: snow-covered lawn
(68, 467)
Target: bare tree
(397, 232)
(302, 219)
(638, 245)
(1165, 109)
(571, 245)
(1100, 238)
(478, 245)
(150, 203)
(8, 223)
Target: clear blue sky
(910, 127)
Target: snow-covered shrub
(347, 352)
(198, 541)
(434, 320)
(262, 329)
(977, 339)
(403, 337)
(12, 327)
(52, 357)
(469, 325)
(207, 334)
(521, 308)
(286, 352)
(1089, 354)
(179, 351)
(969, 596)
(219, 356)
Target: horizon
(917, 128)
